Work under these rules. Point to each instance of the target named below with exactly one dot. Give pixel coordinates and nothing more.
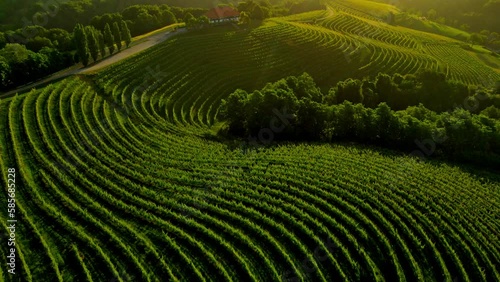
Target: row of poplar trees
(90, 41)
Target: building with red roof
(223, 14)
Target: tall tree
(109, 39)
(81, 44)
(102, 44)
(125, 33)
(4, 73)
(117, 35)
(244, 18)
(92, 42)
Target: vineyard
(120, 176)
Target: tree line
(265, 9)
(90, 42)
(66, 14)
(461, 132)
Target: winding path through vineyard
(145, 43)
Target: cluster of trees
(90, 42)
(66, 14)
(310, 117)
(19, 65)
(143, 18)
(52, 49)
(264, 8)
(427, 87)
(487, 39)
(193, 23)
(31, 53)
(37, 37)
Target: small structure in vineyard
(223, 14)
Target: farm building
(223, 14)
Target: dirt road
(125, 53)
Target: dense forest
(400, 112)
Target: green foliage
(259, 12)
(3, 40)
(188, 18)
(349, 119)
(4, 72)
(476, 38)
(125, 166)
(101, 43)
(203, 21)
(144, 18)
(244, 18)
(367, 208)
(100, 21)
(19, 65)
(125, 32)
(37, 43)
(468, 15)
(92, 41)
(14, 53)
(117, 36)
(109, 39)
(81, 43)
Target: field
(120, 174)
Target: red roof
(222, 12)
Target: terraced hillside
(208, 66)
(119, 175)
(399, 49)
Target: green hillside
(120, 173)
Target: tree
(259, 12)
(36, 44)
(125, 33)
(431, 14)
(117, 35)
(190, 20)
(386, 122)
(188, 17)
(92, 42)
(383, 86)
(14, 53)
(485, 33)
(102, 43)
(61, 39)
(109, 39)
(391, 18)
(203, 21)
(244, 18)
(3, 40)
(81, 44)
(475, 38)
